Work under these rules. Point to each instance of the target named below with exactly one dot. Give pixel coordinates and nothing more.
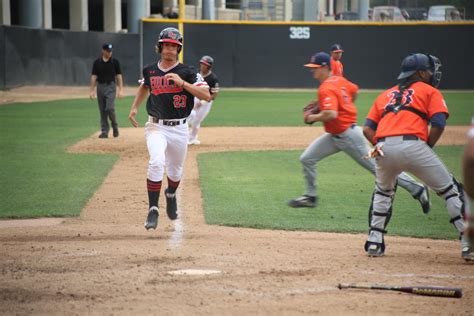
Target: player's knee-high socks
(172, 186)
(153, 192)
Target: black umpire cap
(107, 46)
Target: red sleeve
(437, 104)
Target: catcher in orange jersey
(337, 68)
(399, 121)
(339, 115)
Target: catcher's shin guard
(455, 204)
(378, 221)
(385, 197)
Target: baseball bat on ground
(440, 291)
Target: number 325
(299, 32)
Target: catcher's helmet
(207, 60)
(414, 62)
(170, 35)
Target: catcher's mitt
(311, 108)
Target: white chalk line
(176, 236)
(413, 275)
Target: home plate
(194, 272)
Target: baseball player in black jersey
(202, 107)
(171, 88)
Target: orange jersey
(420, 96)
(336, 93)
(336, 67)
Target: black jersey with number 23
(168, 100)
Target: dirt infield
(104, 262)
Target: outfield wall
(273, 54)
(31, 56)
(247, 54)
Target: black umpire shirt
(106, 71)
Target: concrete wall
(53, 57)
(246, 55)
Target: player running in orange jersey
(336, 65)
(398, 121)
(339, 115)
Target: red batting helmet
(207, 60)
(170, 35)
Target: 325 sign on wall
(299, 32)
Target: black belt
(168, 122)
(110, 82)
(405, 137)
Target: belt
(107, 83)
(166, 122)
(405, 137)
(337, 135)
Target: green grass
(274, 108)
(251, 189)
(38, 177)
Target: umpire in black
(107, 75)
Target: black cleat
(103, 135)
(375, 249)
(152, 218)
(303, 201)
(424, 198)
(116, 133)
(171, 205)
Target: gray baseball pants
(417, 157)
(106, 99)
(353, 143)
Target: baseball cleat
(194, 142)
(424, 198)
(152, 218)
(116, 133)
(171, 205)
(467, 251)
(375, 250)
(303, 201)
(103, 135)
(467, 254)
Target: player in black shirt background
(171, 88)
(202, 107)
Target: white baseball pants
(167, 146)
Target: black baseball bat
(440, 291)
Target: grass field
(251, 189)
(38, 178)
(277, 108)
